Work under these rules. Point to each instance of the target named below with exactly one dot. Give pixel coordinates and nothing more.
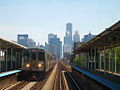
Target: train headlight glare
(39, 65)
(27, 65)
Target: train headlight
(27, 65)
(39, 65)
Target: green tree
(76, 59)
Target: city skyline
(41, 17)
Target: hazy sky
(40, 17)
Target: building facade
(76, 37)
(68, 43)
(31, 43)
(68, 36)
(24, 40)
(54, 46)
(51, 36)
(88, 37)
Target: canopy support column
(0, 58)
(100, 60)
(6, 57)
(115, 61)
(109, 59)
(104, 58)
(91, 60)
(11, 58)
(88, 60)
(94, 58)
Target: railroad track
(72, 84)
(38, 85)
(19, 86)
(35, 86)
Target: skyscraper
(22, 39)
(31, 43)
(68, 37)
(69, 29)
(57, 43)
(68, 43)
(51, 36)
(76, 37)
(88, 37)
(25, 41)
(54, 46)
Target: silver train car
(36, 64)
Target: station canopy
(4, 43)
(107, 39)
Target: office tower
(88, 37)
(76, 37)
(54, 46)
(69, 29)
(22, 39)
(51, 36)
(68, 43)
(68, 37)
(31, 43)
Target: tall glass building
(68, 37)
(68, 43)
(22, 39)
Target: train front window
(33, 55)
(26, 56)
(41, 56)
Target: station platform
(8, 78)
(98, 79)
(3, 74)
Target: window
(33, 55)
(41, 56)
(26, 56)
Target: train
(36, 64)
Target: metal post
(19, 60)
(31, 59)
(2, 64)
(91, 59)
(100, 60)
(15, 59)
(0, 58)
(22, 59)
(88, 60)
(104, 59)
(112, 60)
(11, 58)
(95, 59)
(115, 61)
(109, 59)
(6, 59)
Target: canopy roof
(4, 43)
(108, 38)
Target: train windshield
(33, 55)
(41, 56)
(26, 56)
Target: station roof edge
(12, 43)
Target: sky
(38, 18)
